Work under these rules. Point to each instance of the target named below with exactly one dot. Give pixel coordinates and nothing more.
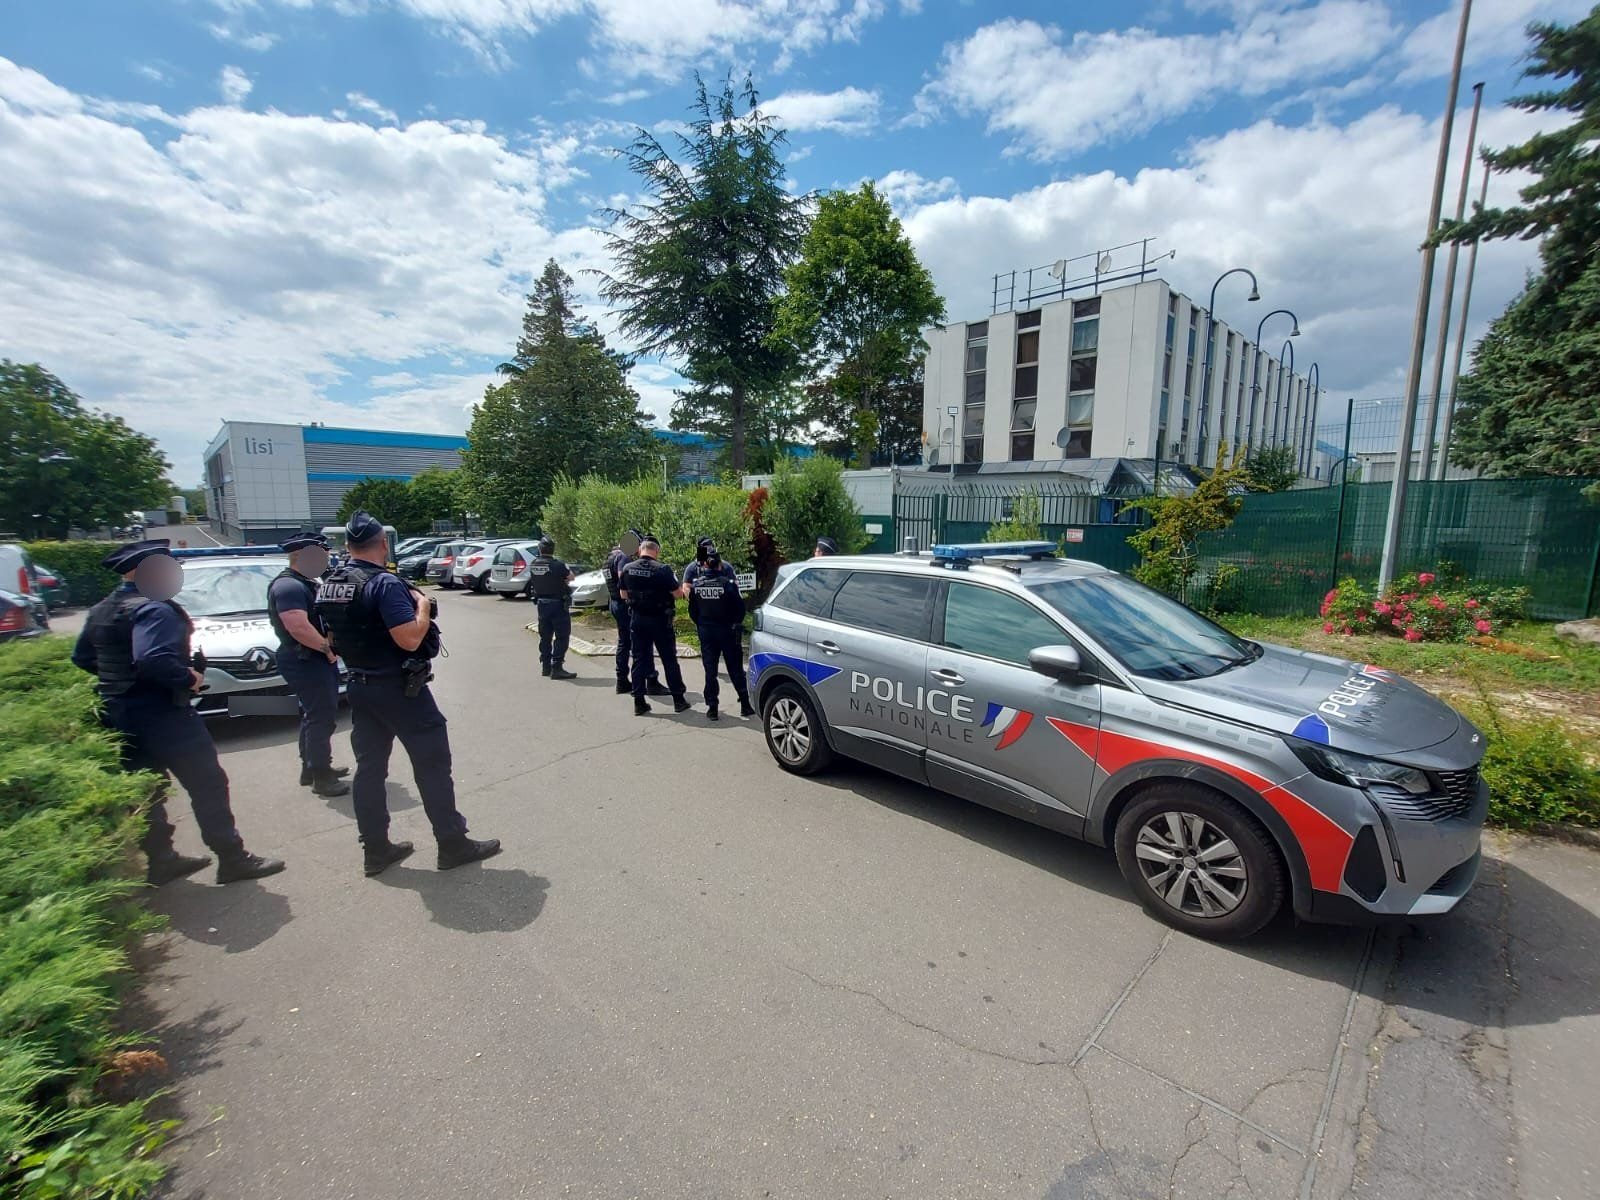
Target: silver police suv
(1229, 776)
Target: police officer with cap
(306, 660)
(650, 586)
(717, 610)
(704, 550)
(621, 555)
(384, 630)
(826, 547)
(548, 579)
(137, 642)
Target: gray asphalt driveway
(692, 975)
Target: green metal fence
(1288, 548)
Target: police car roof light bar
(962, 553)
(226, 551)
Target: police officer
(649, 587)
(548, 578)
(384, 630)
(703, 550)
(826, 547)
(136, 641)
(306, 661)
(717, 610)
(623, 616)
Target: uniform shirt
(715, 600)
(389, 597)
(544, 569)
(649, 583)
(295, 593)
(695, 570)
(160, 644)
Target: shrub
(1022, 525)
(1536, 771)
(558, 519)
(1424, 606)
(69, 819)
(719, 511)
(1169, 546)
(808, 500)
(87, 580)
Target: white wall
(999, 386)
(269, 473)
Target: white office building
(1109, 373)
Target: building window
(1182, 451)
(1086, 308)
(1022, 417)
(1082, 372)
(1025, 395)
(1028, 320)
(1078, 444)
(976, 383)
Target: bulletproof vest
(285, 638)
(713, 600)
(110, 629)
(548, 577)
(353, 623)
(644, 580)
(613, 573)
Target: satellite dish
(1063, 436)
(1058, 269)
(933, 457)
(1104, 264)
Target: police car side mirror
(1058, 662)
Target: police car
(1231, 777)
(225, 594)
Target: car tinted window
(505, 554)
(811, 593)
(979, 620)
(884, 603)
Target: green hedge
(87, 580)
(69, 821)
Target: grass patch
(69, 819)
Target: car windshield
(1148, 633)
(219, 589)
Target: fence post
(1594, 579)
(1344, 483)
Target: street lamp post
(1211, 326)
(1308, 416)
(1277, 401)
(1255, 370)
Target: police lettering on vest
(715, 600)
(547, 576)
(649, 584)
(354, 625)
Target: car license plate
(246, 705)
(501, 573)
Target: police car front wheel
(794, 735)
(1199, 862)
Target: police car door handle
(946, 675)
(828, 647)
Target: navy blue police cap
(305, 538)
(125, 558)
(827, 545)
(362, 527)
(649, 539)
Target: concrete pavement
(690, 974)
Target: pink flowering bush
(1426, 606)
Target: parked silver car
(441, 567)
(508, 574)
(589, 590)
(1230, 776)
(472, 566)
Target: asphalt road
(692, 975)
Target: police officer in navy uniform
(548, 579)
(650, 587)
(623, 616)
(384, 630)
(703, 550)
(306, 661)
(717, 610)
(137, 642)
(826, 547)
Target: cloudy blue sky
(329, 209)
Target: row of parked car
(483, 565)
(28, 593)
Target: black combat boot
(378, 859)
(681, 704)
(236, 868)
(325, 781)
(308, 775)
(560, 672)
(460, 850)
(656, 689)
(711, 713)
(167, 865)
(623, 686)
(544, 669)
(745, 707)
(640, 706)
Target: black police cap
(305, 538)
(125, 558)
(362, 527)
(827, 545)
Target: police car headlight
(1355, 770)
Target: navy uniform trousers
(623, 616)
(315, 684)
(380, 712)
(172, 740)
(555, 630)
(720, 644)
(653, 632)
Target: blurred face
(310, 562)
(159, 577)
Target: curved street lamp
(1255, 370)
(1278, 415)
(1205, 375)
(1308, 417)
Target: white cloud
(258, 42)
(1054, 95)
(234, 85)
(848, 110)
(248, 265)
(907, 190)
(366, 104)
(150, 71)
(1293, 204)
(1495, 26)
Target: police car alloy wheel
(1199, 862)
(794, 735)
